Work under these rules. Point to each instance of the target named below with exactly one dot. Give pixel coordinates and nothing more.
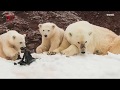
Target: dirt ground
(27, 22)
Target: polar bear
(52, 37)
(82, 37)
(11, 43)
(115, 46)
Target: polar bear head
(80, 34)
(47, 30)
(16, 39)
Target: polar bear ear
(53, 26)
(90, 33)
(24, 35)
(7, 30)
(70, 34)
(40, 25)
(13, 37)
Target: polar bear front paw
(39, 50)
(68, 53)
(65, 52)
(14, 56)
(98, 52)
(51, 53)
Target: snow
(62, 67)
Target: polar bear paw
(51, 53)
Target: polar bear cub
(11, 43)
(52, 37)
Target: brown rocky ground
(27, 22)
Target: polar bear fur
(82, 37)
(115, 46)
(52, 37)
(10, 44)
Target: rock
(26, 22)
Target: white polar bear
(82, 37)
(11, 43)
(52, 37)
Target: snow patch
(60, 66)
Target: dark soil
(26, 22)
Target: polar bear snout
(83, 52)
(45, 35)
(22, 48)
(82, 47)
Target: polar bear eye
(85, 41)
(78, 42)
(48, 30)
(43, 30)
(20, 42)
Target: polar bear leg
(115, 46)
(10, 52)
(41, 48)
(44, 46)
(70, 51)
(65, 44)
(54, 45)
